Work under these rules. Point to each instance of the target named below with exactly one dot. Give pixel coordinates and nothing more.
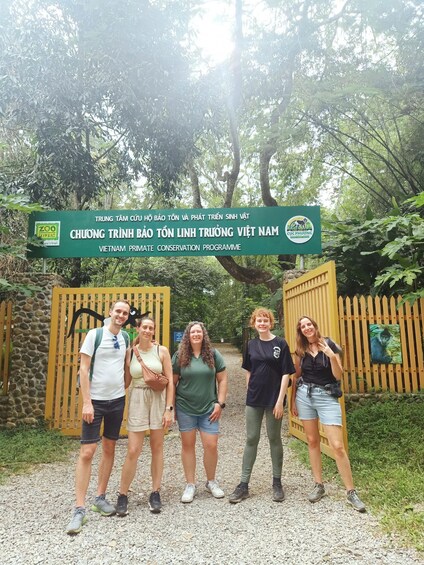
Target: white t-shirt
(108, 371)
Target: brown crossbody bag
(155, 381)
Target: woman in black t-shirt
(318, 366)
(268, 365)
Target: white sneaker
(188, 493)
(215, 490)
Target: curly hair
(185, 351)
(302, 343)
(262, 313)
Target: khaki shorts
(145, 409)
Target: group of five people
(196, 394)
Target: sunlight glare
(214, 27)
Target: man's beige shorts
(145, 409)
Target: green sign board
(158, 233)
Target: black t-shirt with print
(267, 362)
(317, 370)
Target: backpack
(97, 342)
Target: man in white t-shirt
(103, 397)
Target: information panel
(157, 233)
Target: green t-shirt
(196, 389)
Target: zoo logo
(49, 232)
(299, 229)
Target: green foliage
(346, 242)
(13, 243)
(200, 289)
(194, 282)
(24, 447)
(405, 250)
(233, 304)
(383, 255)
(386, 452)
(102, 94)
(312, 106)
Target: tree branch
(109, 149)
(248, 275)
(194, 180)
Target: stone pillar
(292, 274)
(30, 351)
(288, 276)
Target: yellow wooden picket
(361, 375)
(63, 401)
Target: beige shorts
(145, 409)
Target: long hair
(185, 351)
(302, 343)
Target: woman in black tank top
(318, 371)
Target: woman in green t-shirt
(201, 380)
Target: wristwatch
(222, 404)
(170, 408)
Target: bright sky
(215, 30)
(215, 25)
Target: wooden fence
(63, 401)
(5, 343)
(361, 375)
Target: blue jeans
(186, 423)
(319, 405)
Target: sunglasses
(116, 342)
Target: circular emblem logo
(299, 229)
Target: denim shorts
(111, 412)
(319, 405)
(186, 423)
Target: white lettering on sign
(177, 248)
(268, 230)
(145, 233)
(112, 248)
(165, 232)
(221, 247)
(186, 232)
(87, 234)
(140, 248)
(246, 231)
(217, 231)
(121, 233)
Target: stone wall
(292, 274)
(25, 402)
(353, 401)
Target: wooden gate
(63, 402)
(313, 294)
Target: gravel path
(35, 509)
